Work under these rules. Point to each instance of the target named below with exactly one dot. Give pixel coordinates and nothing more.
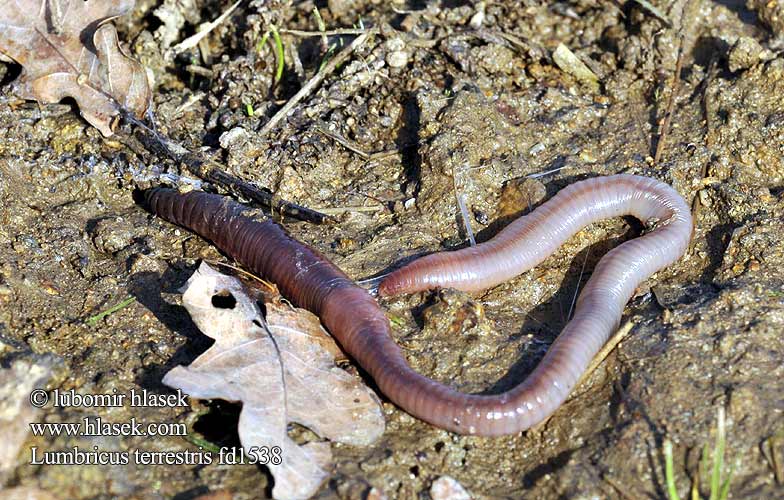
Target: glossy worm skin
(526, 242)
(361, 327)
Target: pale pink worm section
(520, 246)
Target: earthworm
(363, 330)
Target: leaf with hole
(282, 368)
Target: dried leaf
(68, 49)
(245, 365)
(16, 383)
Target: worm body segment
(363, 330)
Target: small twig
(576, 288)
(315, 81)
(460, 198)
(407, 11)
(597, 360)
(322, 28)
(381, 155)
(270, 286)
(546, 172)
(513, 40)
(337, 32)
(323, 128)
(350, 145)
(647, 6)
(466, 218)
(696, 205)
(371, 284)
(194, 40)
(359, 208)
(676, 84)
(621, 334)
(195, 69)
(640, 126)
(265, 326)
(263, 196)
(619, 488)
(718, 455)
(210, 171)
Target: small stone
(536, 149)
(408, 24)
(587, 156)
(375, 494)
(705, 200)
(395, 44)
(397, 59)
(479, 17)
(233, 137)
(144, 263)
(446, 488)
(571, 64)
(112, 234)
(745, 53)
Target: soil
(448, 99)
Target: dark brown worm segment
(363, 330)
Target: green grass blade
(262, 42)
(322, 27)
(93, 320)
(704, 461)
(672, 492)
(725, 487)
(203, 443)
(718, 456)
(279, 55)
(326, 57)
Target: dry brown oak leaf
(68, 48)
(245, 365)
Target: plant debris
(571, 64)
(245, 364)
(69, 49)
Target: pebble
(745, 53)
(446, 488)
(397, 59)
(235, 136)
(112, 234)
